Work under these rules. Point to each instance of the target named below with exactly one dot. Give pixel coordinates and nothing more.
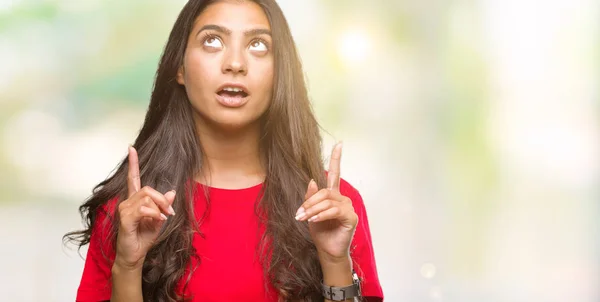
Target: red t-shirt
(229, 268)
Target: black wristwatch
(335, 293)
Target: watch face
(356, 280)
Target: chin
(221, 118)
(231, 122)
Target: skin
(214, 57)
(230, 139)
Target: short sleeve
(361, 249)
(95, 282)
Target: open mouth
(233, 95)
(232, 92)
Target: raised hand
(141, 218)
(330, 214)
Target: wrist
(340, 283)
(329, 260)
(343, 293)
(337, 271)
(126, 283)
(122, 266)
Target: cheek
(198, 72)
(265, 81)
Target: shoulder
(108, 209)
(103, 219)
(351, 192)
(363, 256)
(347, 188)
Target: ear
(180, 73)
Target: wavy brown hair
(170, 155)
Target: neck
(230, 160)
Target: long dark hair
(170, 155)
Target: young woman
(223, 196)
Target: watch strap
(336, 293)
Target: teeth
(232, 89)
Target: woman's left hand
(330, 214)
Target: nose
(235, 61)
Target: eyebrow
(227, 31)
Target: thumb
(311, 190)
(170, 196)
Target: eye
(258, 45)
(213, 42)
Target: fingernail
(163, 217)
(171, 211)
(300, 213)
(171, 192)
(313, 219)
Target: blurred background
(471, 128)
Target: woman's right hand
(141, 218)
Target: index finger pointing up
(333, 176)
(133, 174)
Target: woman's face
(228, 64)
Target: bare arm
(337, 273)
(126, 284)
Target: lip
(231, 102)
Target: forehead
(234, 15)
